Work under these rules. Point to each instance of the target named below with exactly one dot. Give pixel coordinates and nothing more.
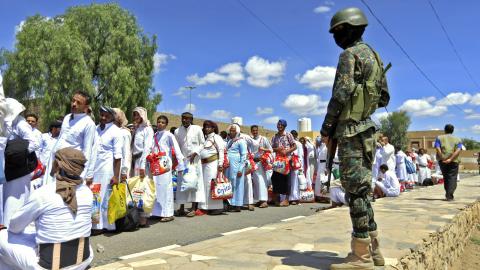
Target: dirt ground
(470, 259)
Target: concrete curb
(440, 249)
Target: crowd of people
(75, 155)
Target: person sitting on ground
(61, 211)
(387, 184)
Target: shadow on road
(312, 259)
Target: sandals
(190, 214)
(263, 205)
(166, 219)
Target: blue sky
(240, 68)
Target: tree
(471, 144)
(395, 127)
(98, 48)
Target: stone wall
(440, 249)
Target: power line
(407, 55)
(452, 45)
(256, 17)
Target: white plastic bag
(189, 179)
(302, 181)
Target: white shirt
(166, 142)
(142, 143)
(190, 139)
(212, 143)
(422, 160)
(54, 221)
(388, 156)
(126, 150)
(20, 129)
(263, 142)
(47, 142)
(389, 184)
(108, 147)
(37, 134)
(78, 133)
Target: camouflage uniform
(356, 143)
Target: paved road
(184, 230)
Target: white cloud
(322, 9)
(220, 114)
(475, 99)
(161, 59)
(468, 111)
(210, 95)
(263, 111)
(19, 27)
(430, 99)
(318, 77)
(231, 73)
(305, 105)
(190, 108)
(272, 120)
(476, 129)
(456, 98)
(263, 73)
(473, 116)
(422, 107)
(380, 115)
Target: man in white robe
(78, 131)
(259, 177)
(32, 120)
(387, 184)
(16, 191)
(191, 139)
(294, 196)
(106, 170)
(248, 179)
(61, 211)
(388, 154)
(401, 168)
(121, 122)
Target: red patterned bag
(267, 160)
(251, 166)
(221, 188)
(281, 165)
(296, 165)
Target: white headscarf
(237, 129)
(143, 114)
(120, 117)
(13, 109)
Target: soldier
(360, 87)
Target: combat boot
(377, 256)
(359, 258)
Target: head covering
(14, 108)
(18, 161)
(107, 109)
(70, 163)
(318, 139)
(282, 122)
(237, 129)
(143, 114)
(120, 117)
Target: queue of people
(48, 204)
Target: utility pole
(190, 88)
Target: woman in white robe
(142, 141)
(321, 176)
(259, 177)
(122, 122)
(107, 162)
(294, 196)
(212, 155)
(249, 199)
(165, 142)
(423, 170)
(401, 168)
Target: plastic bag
(267, 160)
(307, 196)
(302, 181)
(117, 207)
(142, 189)
(250, 166)
(221, 188)
(159, 163)
(97, 202)
(189, 179)
(281, 165)
(296, 165)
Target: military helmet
(353, 16)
